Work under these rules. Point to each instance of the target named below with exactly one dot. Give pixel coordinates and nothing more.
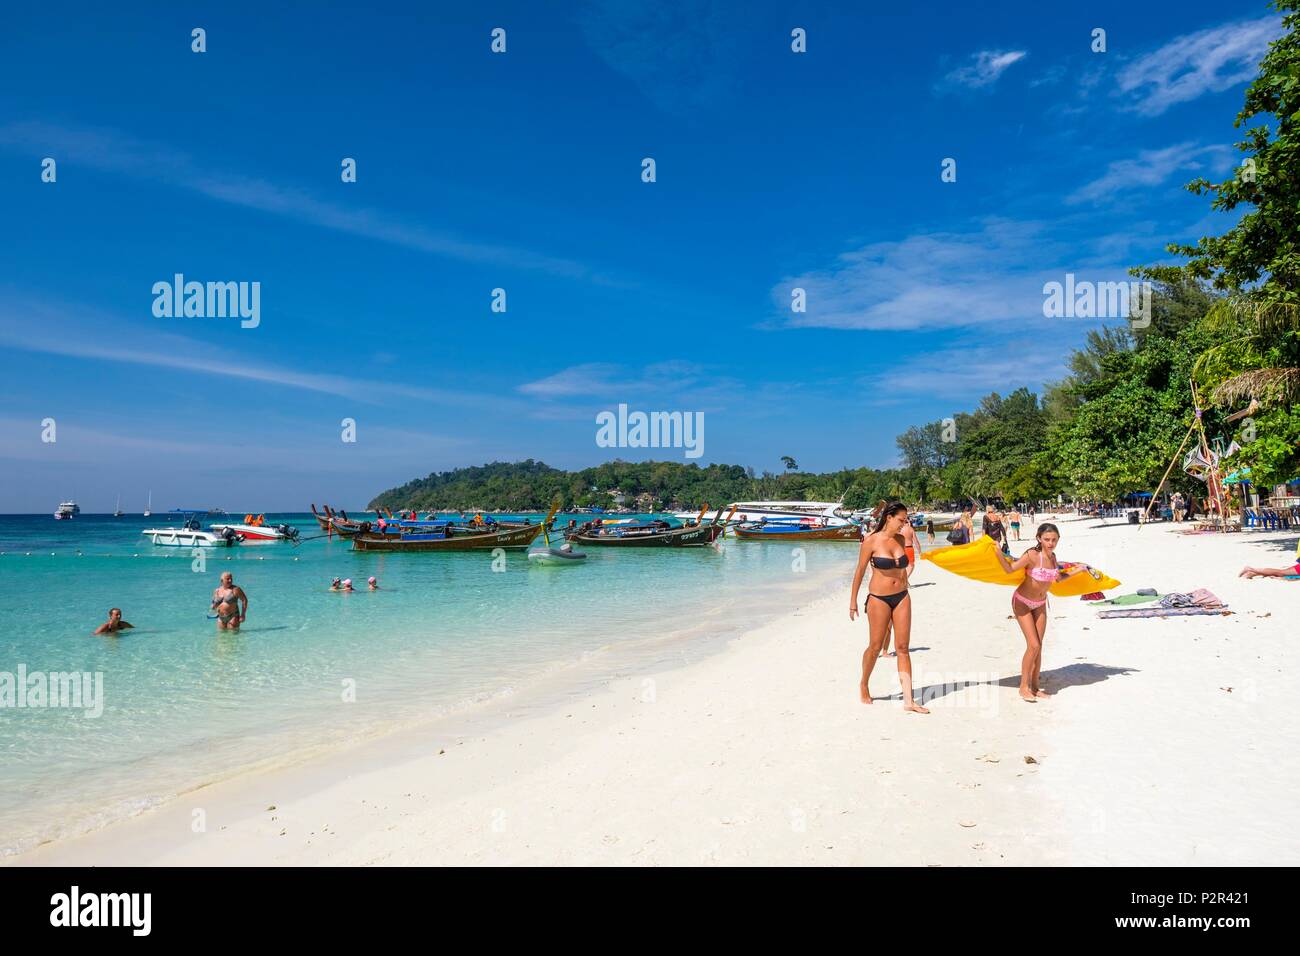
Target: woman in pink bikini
(1029, 603)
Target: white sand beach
(1167, 741)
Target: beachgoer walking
(227, 601)
(1029, 603)
(929, 529)
(114, 622)
(1014, 518)
(888, 602)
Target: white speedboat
(190, 535)
(825, 514)
(67, 509)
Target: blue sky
(522, 171)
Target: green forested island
(1221, 340)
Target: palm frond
(1258, 316)
(1269, 385)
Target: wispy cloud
(1189, 66)
(1150, 168)
(982, 70)
(939, 279)
(606, 380)
(119, 153)
(80, 333)
(992, 273)
(966, 372)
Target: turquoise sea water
(447, 635)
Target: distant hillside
(646, 486)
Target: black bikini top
(892, 563)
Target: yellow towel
(979, 562)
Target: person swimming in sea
(1029, 603)
(336, 584)
(888, 602)
(227, 601)
(114, 622)
(372, 584)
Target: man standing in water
(114, 622)
(226, 601)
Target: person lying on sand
(114, 622)
(1249, 572)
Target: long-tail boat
(450, 536)
(446, 539)
(782, 531)
(650, 534)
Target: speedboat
(259, 532)
(191, 535)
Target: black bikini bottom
(893, 600)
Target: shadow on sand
(1054, 681)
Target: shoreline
(555, 684)
(761, 754)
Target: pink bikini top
(1042, 574)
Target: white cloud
(940, 279)
(983, 69)
(79, 333)
(1208, 61)
(604, 379)
(1151, 167)
(115, 152)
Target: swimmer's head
(372, 580)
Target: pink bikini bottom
(1027, 602)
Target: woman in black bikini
(888, 601)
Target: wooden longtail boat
(446, 540)
(794, 532)
(650, 534)
(322, 520)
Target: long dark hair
(891, 509)
(1045, 528)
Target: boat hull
(693, 537)
(511, 538)
(164, 538)
(251, 532)
(841, 533)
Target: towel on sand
(1164, 612)
(1201, 597)
(1129, 599)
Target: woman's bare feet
(1027, 697)
(1042, 694)
(864, 693)
(915, 708)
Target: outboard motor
(230, 535)
(289, 531)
